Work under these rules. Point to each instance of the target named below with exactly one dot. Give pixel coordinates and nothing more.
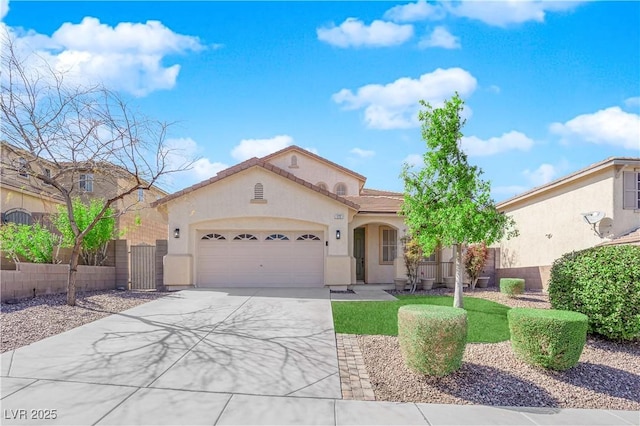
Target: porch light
(337, 234)
(176, 233)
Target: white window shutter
(630, 190)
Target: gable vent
(258, 192)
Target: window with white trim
(140, 194)
(277, 237)
(213, 237)
(245, 237)
(308, 237)
(86, 182)
(47, 173)
(341, 189)
(631, 190)
(388, 245)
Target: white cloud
(610, 126)
(128, 57)
(440, 37)
(543, 174)
(354, 33)
(4, 8)
(395, 105)
(418, 11)
(632, 102)
(475, 146)
(363, 153)
(413, 160)
(248, 148)
(181, 151)
(494, 89)
(508, 12)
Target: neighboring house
(25, 199)
(291, 218)
(597, 205)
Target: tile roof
(374, 201)
(314, 156)
(254, 162)
(632, 237)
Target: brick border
(354, 379)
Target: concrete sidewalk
(241, 356)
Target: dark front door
(358, 252)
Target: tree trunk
(457, 295)
(73, 271)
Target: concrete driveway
(178, 360)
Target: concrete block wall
(32, 279)
(536, 278)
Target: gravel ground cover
(607, 377)
(34, 319)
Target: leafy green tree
(33, 243)
(446, 201)
(94, 244)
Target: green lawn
(487, 320)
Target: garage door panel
(275, 259)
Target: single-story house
(291, 218)
(597, 205)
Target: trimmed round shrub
(604, 284)
(511, 286)
(432, 338)
(549, 338)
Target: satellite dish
(593, 217)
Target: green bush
(511, 286)
(432, 338)
(547, 337)
(604, 284)
(30, 243)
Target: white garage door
(260, 259)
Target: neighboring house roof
(631, 237)
(593, 168)
(255, 162)
(316, 157)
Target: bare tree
(90, 134)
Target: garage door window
(277, 237)
(213, 237)
(245, 237)
(308, 237)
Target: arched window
(213, 237)
(322, 185)
(341, 189)
(258, 192)
(294, 161)
(277, 237)
(245, 237)
(308, 237)
(18, 216)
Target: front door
(358, 252)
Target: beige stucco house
(597, 205)
(25, 199)
(291, 218)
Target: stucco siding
(551, 224)
(315, 172)
(286, 206)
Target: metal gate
(143, 270)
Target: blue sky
(550, 87)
